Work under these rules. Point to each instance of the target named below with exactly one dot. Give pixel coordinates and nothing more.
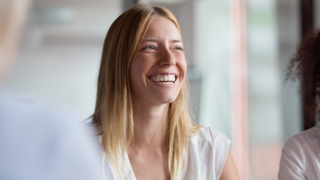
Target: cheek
(183, 68)
(133, 72)
(138, 71)
(135, 78)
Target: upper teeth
(167, 78)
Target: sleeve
(221, 145)
(292, 161)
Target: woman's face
(158, 70)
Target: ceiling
(66, 21)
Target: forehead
(162, 27)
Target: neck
(150, 124)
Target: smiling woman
(141, 107)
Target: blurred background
(237, 53)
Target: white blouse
(300, 158)
(207, 154)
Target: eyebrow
(154, 40)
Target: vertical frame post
(239, 84)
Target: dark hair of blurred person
(300, 155)
(37, 141)
(305, 66)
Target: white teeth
(172, 77)
(164, 82)
(164, 79)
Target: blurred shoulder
(307, 138)
(25, 110)
(41, 129)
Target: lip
(165, 73)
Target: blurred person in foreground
(300, 158)
(37, 141)
(142, 110)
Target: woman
(300, 158)
(142, 106)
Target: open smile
(164, 78)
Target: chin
(168, 99)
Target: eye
(178, 48)
(148, 47)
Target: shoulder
(308, 138)
(211, 141)
(43, 128)
(209, 150)
(299, 151)
(206, 134)
(27, 108)
(28, 114)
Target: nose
(167, 58)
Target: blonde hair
(113, 106)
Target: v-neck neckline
(129, 167)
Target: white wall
(59, 60)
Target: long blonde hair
(113, 106)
